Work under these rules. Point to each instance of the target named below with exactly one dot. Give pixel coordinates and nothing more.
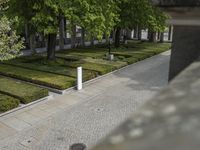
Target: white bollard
(79, 78)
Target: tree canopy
(98, 18)
(10, 43)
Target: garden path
(88, 115)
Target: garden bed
(57, 67)
(26, 93)
(7, 103)
(37, 77)
(61, 73)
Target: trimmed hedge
(113, 64)
(83, 53)
(26, 93)
(8, 103)
(37, 77)
(100, 68)
(61, 74)
(58, 67)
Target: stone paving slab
(16, 124)
(88, 115)
(6, 131)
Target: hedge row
(7, 103)
(58, 67)
(83, 53)
(100, 68)
(37, 77)
(114, 64)
(26, 93)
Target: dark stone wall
(176, 3)
(185, 48)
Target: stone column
(185, 48)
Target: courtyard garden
(27, 75)
(21, 78)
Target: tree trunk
(65, 28)
(135, 32)
(117, 37)
(32, 43)
(113, 36)
(149, 35)
(161, 37)
(92, 41)
(139, 34)
(61, 33)
(153, 37)
(51, 46)
(83, 37)
(73, 37)
(129, 34)
(170, 33)
(27, 40)
(107, 38)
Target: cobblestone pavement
(86, 116)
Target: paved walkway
(86, 116)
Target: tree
(10, 43)
(94, 16)
(139, 14)
(24, 11)
(47, 19)
(156, 23)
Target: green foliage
(100, 68)
(113, 64)
(57, 67)
(97, 17)
(38, 77)
(26, 93)
(141, 13)
(10, 43)
(7, 103)
(56, 74)
(141, 51)
(3, 5)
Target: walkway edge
(25, 106)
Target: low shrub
(26, 93)
(113, 64)
(58, 67)
(7, 103)
(100, 68)
(38, 77)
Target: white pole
(79, 78)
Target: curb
(24, 106)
